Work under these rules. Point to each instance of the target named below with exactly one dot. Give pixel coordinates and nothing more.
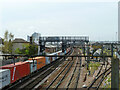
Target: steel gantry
(66, 41)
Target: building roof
(19, 40)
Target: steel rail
(99, 71)
(102, 77)
(98, 78)
(102, 80)
(58, 76)
(78, 75)
(72, 76)
(64, 76)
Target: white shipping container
(33, 66)
(4, 77)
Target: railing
(67, 38)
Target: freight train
(11, 73)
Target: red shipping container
(17, 71)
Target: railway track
(68, 64)
(100, 77)
(105, 73)
(77, 80)
(65, 64)
(59, 79)
(72, 76)
(55, 83)
(73, 82)
(32, 80)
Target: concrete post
(115, 72)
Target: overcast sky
(98, 20)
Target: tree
(30, 49)
(6, 35)
(7, 41)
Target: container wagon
(17, 71)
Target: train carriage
(17, 71)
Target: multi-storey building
(35, 37)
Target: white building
(35, 37)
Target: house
(19, 43)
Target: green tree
(7, 41)
(28, 50)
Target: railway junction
(82, 65)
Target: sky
(97, 19)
